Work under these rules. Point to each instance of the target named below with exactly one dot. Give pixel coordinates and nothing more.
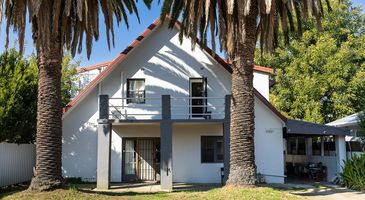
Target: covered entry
(312, 151)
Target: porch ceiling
(296, 127)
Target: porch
(162, 121)
(313, 152)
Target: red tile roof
(137, 41)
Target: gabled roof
(139, 40)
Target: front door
(141, 159)
(198, 95)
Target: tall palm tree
(238, 24)
(56, 26)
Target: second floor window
(136, 91)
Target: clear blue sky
(123, 37)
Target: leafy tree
(237, 24)
(320, 77)
(18, 95)
(69, 75)
(56, 26)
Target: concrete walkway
(153, 187)
(330, 193)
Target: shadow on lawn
(313, 189)
(7, 191)
(115, 189)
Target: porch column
(226, 135)
(340, 151)
(166, 145)
(322, 146)
(104, 143)
(309, 146)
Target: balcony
(166, 107)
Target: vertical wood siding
(16, 163)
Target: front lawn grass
(73, 192)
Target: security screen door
(141, 159)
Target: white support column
(103, 156)
(309, 146)
(104, 144)
(322, 146)
(340, 151)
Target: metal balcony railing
(184, 108)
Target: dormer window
(136, 91)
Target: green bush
(353, 173)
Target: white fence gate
(16, 163)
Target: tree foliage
(18, 95)
(69, 75)
(320, 77)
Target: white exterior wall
(166, 66)
(261, 83)
(16, 163)
(269, 145)
(79, 139)
(186, 154)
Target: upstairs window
(212, 149)
(136, 91)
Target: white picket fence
(16, 163)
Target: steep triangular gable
(112, 65)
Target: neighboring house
(350, 122)
(86, 75)
(160, 111)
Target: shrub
(353, 173)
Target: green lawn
(264, 193)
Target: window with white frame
(136, 91)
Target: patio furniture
(317, 172)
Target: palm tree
(56, 26)
(238, 24)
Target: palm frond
(224, 19)
(69, 21)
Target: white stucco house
(160, 112)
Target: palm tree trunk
(242, 151)
(47, 174)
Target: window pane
(212, 149)
(208, 155)
(219, 152)
(136, 91)
(316, 146)
(301, 146)
(291, 145)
